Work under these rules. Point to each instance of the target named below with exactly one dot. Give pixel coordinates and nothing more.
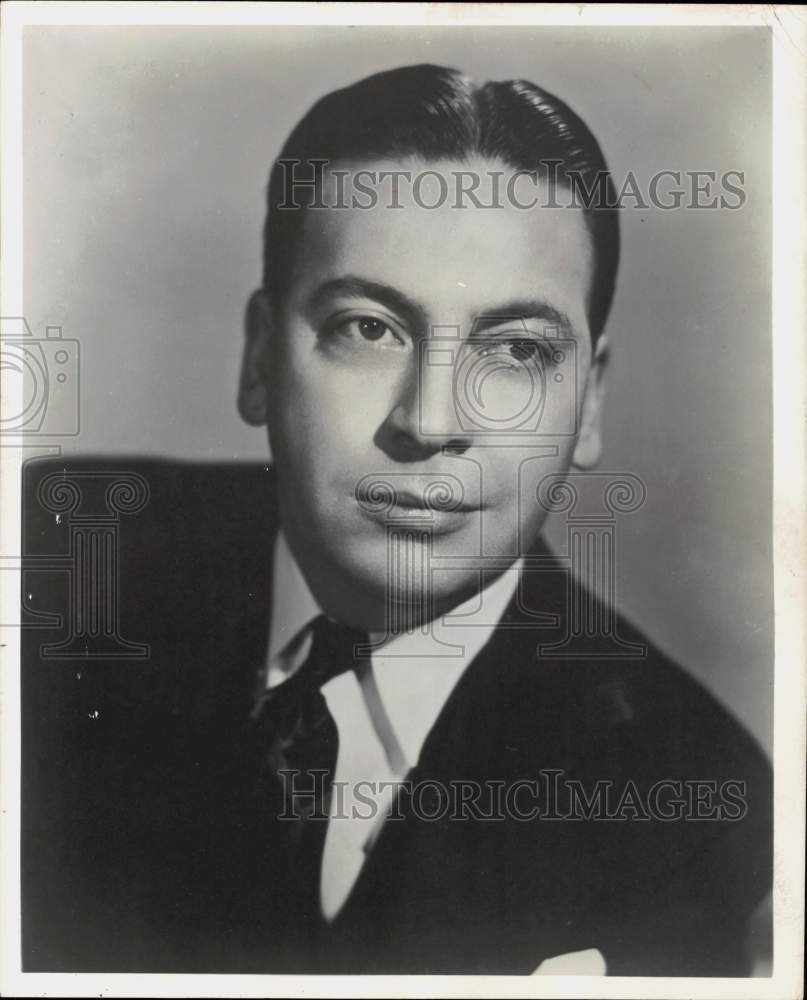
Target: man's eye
(520, 349)
(371, 329)
(524, 350)
(366, 328)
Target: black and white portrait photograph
(403, 447)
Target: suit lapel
(464, 894)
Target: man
(380, 729)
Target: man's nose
(425, 418)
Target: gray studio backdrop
(146, 152)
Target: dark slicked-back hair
(435, 113)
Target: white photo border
(788, 27)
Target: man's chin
(403, 578)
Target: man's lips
(441, 495)
(418, 501)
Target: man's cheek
(355, 409)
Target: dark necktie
(296, 741)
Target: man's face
(413, 348)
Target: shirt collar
(414, 674)
(293, 605)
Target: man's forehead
(444, 249)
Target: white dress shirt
(383, 710)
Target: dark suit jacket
(143, 850)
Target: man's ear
(252, 386)
(588, 449)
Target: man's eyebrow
(519, 310)
(350, 285)
(516, 310)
